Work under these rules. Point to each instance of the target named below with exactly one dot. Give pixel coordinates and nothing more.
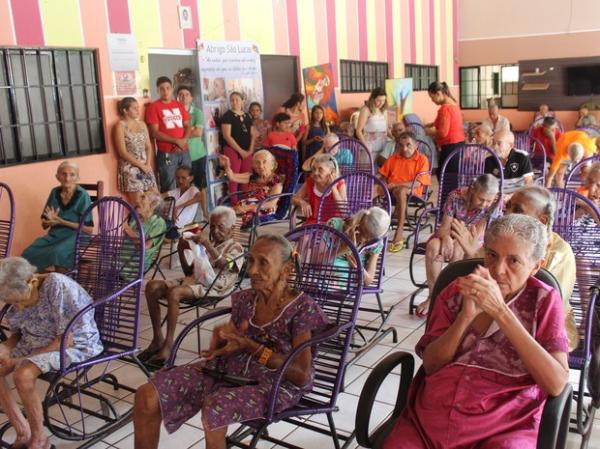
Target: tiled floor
(397, 289)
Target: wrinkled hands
(481, 293)
(51, 217)
(227, 339)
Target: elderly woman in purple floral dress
(267, 322)
(43, 306)
(494, 348)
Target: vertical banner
(399, 96)
(318, 84)
(224, 67)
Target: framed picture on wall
(212, 141)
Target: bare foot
(41, 442)
(422, 309)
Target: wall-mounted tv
(583, 80)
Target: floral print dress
(184, 390)
(131, 178)
(60, 299)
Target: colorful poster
(399, 95)
(225, 67)
(318, 84)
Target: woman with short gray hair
(43, 305)
(63, 210)
(495, 341)
(364, 227)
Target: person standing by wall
(197, 150)
(169, 124)
(447, 129)
(372, 126)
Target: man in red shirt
(548, 133)
(169, 124)
(281, 136)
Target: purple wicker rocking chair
(337, 290)
(471, 164)
(361, 160)
(109, 266)
(575, 178)
(7, 219)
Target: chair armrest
(423, 219)
(554, 424)
(224, 269)
(330, 333)
(94, 305)
(370, 390)
(260, 205)
(187, 329)
(416, 182)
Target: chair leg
(334, 435)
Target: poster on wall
(399, 96)
(225, 67)
(318, 85)
(125, 83)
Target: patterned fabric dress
(485, 397)
(261, 191)
(184, 390)
(60, 299)
(375, 133)
(57, 248)
(131, 178)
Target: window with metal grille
(480, 83)
(49, 104)
(422, 75)
(362, 76)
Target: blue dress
(57, 248)
(60, 299)
(313, 147)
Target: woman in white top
(372, 126)
(187, 197)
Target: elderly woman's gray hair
(280, 243)
(541, 198)
(329, 160)
(156, 202)
(65, 164)
(486, 184)
(226, 212)
(530, 230)
(15, 273)
(330, 140)
(375, 220)
(593, 173)
(269, 156)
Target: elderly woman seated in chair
(214, 253)
(262, 182)
(148, 208)
(591, 190)
(42, 307)
(267, 322)
(64, 208)
(364, 227)
(495, 347)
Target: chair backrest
(471, 164)
(590, 130)
(574, 178)
(106, 262)
(361, 190)
(361, 159)
(94, 190)
(7, 219)
(337, 290)
(416, 128)
(568, 205)
(287, 166)
(536, 150)
(425, 148)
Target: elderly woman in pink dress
(495, 347)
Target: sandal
(396, 247)
(147, 354)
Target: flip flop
(396, 247)
(146, 355)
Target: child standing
(314, 134)
(281, 136)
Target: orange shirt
(397, 169)
(562, 145)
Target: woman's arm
(299, 200)
(339, 193)
(275, 190)
(149, 150)
(370, 268)
(253, 136)
(226, 131)
(442, 125)
(445, 227)
(307, 165)
(360, 125)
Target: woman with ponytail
(447, 129)
(268, 321)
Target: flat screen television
(583, 80)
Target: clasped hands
(228, 339)
(481, 294)
(50, 216)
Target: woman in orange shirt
(447, 129)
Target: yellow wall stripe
(418, 32)
(449, 75)
(146, 27)
(211, 20)
(341, 30)
(372, 29)
(307, 34)
(256, 23)
(62, 23)
(437, 11)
